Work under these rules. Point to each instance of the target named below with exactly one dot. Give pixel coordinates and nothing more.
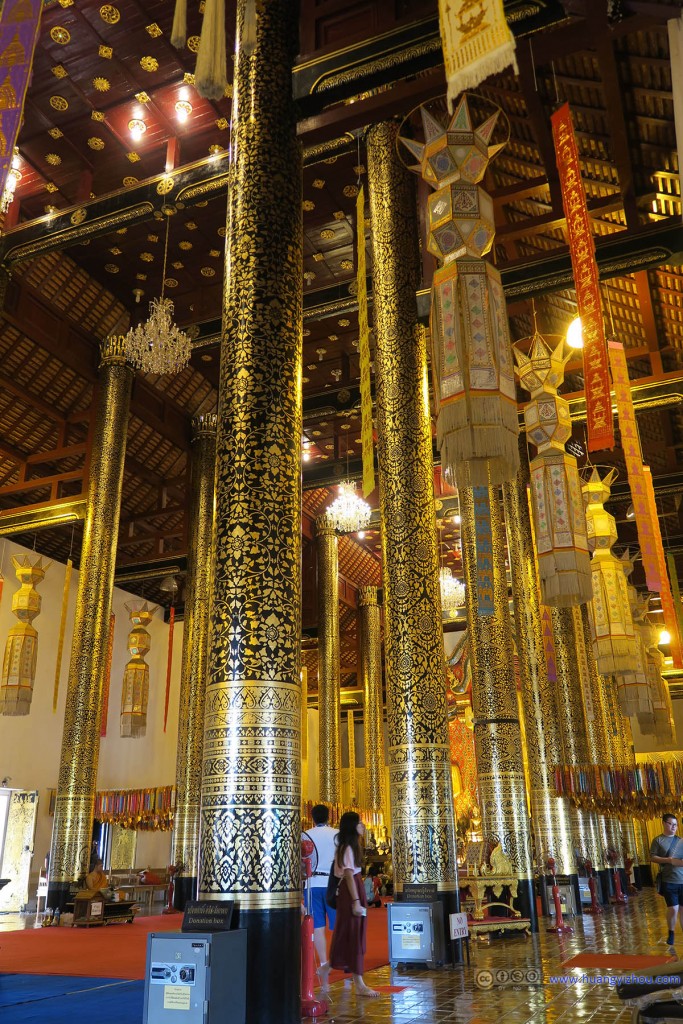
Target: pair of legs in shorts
(322, 916)
(673, 897)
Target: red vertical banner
(169, 663)
(585, 268)
(106, 682)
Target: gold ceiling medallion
(111, 268)
(59, 72)
(193, 43)
(191, 226)
(51, 187)
(147, 257)
(318, 257)
(339, 215)
(350, 191)
(110, 14)
(97, 115)
(346, 264)
(141, 277)
(214, 252)
(186, 246)
(66, 3)
(78, 216)
(60, 35)
(101, 84)
(130, 180)
(56, 133)
(222, 232)
(318, 183)
(142, 97)
(208, 272)
(106, 52)
(115, 251)
(222, 123)
(327, 234)
(58, 103)
(153, 30)
(188, 78)
(165, 185)
(149, 64)
(171, 282)
(177, 265)
(308, 205)
(53, 159)
(96, 143)
(152, 238)
(133, 157)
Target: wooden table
(143, 894)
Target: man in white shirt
(323, 838)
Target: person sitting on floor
(96, 879)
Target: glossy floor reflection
(449, 996)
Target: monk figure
(96, 879)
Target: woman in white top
(347, 950)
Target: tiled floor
(453, 997)
(450, 996)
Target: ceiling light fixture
(14, 176)
(664, 637)
(159, 346)
(452, 591)
(183, 109)
(348, 512)
(575, 333)
(137, 128)
(630, 512)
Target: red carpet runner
(120, 950)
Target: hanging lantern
(21, 649)
(639, 608)
(610, 616)
(559, 522)
(452, 592)
(135, 691)
(477, 423)
(664, 727)
(348, 512)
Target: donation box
(195, 978)
(416, 933)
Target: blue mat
(27, 998)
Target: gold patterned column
(351, 741)
(329, 743)
(422, 813)
(550, 818)
(586, 830)
(251, 774)
(370, 671)
(194, 658)
(497, 734)
(72, 827)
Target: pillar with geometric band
(251, 787)
(329, 724)
(370, 667)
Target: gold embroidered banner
(582, 252)
(367, 440)
(476, 43)
(62, 628)
(670, 618)
(635, 470)
(676, 591)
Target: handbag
(332, 890)
(659, 881)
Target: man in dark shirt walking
(667, 852)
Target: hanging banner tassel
(62, 628)
(169, 663)
(210, 77)
(367, 441)
(475, 46)
(107, 676)
(179, 30)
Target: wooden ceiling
(98, 68)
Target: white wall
(30, 745)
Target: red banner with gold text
(584, 266)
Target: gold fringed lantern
(610, 616)
(559, 521)
(639, 609)
(21, 649)
(472, 366)
(664, 727)
(135, 691)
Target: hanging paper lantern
(477, 424)
(559, 522)
(614, 642)
(135, 691)
(21, 648)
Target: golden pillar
(370, 671)
(550, 818)
(422, 812)
(329, 743)
(586, 829)
(195, 657)
(72, 827)
(497, 733)
(251, 772)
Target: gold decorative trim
(41, 517)
(203, 188)
(79, 231)
(391, 60)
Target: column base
(58, 895)
(273, 965)
(526, 902)
(185, 889)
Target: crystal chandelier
(159, 346)
(348, 512)
(14, 176)
(452, 591)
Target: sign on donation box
(458, 923)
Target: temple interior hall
(341, 474)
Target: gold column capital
(203, 425)
(324, 525)
(113, 351)
(367, 596)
